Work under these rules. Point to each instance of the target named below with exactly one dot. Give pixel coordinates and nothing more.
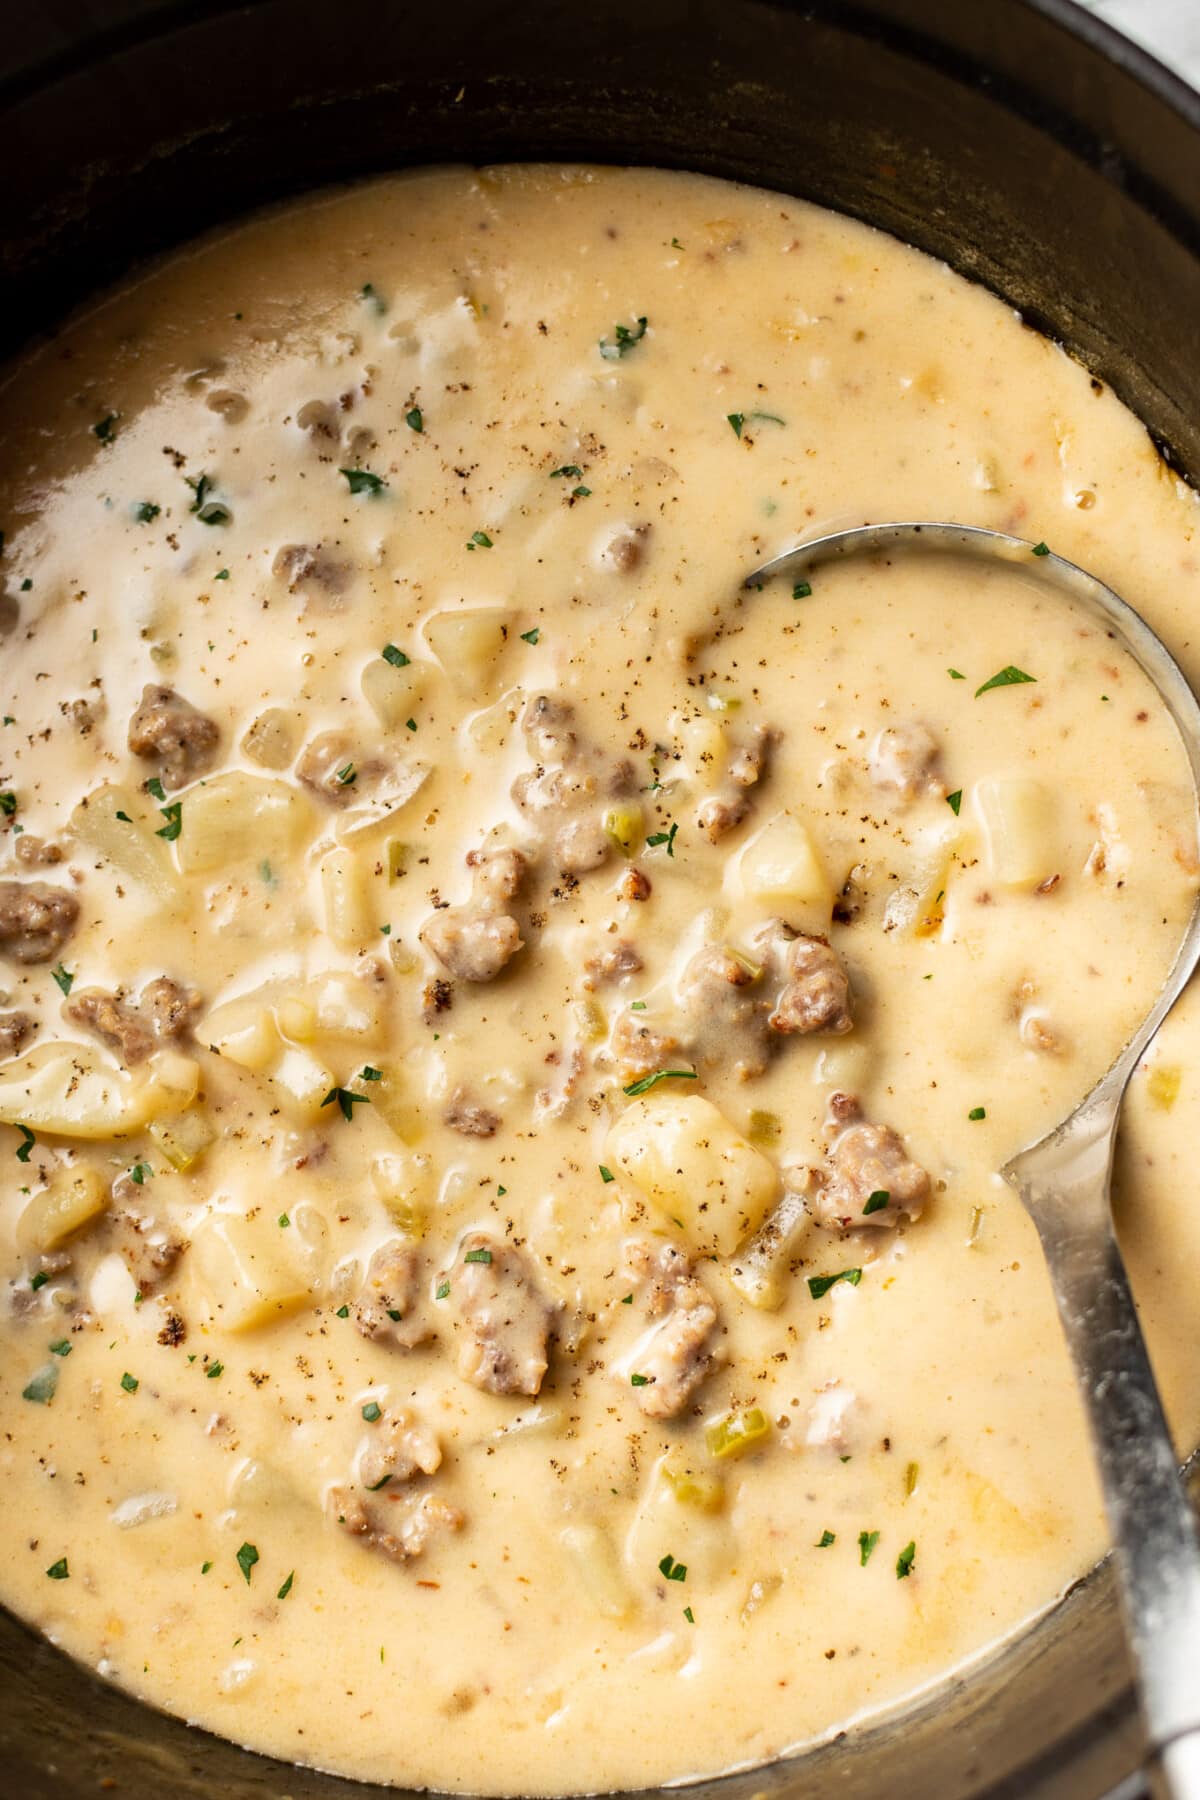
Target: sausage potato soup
(508, 1035)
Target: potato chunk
(73, 1197)
(248, 1269)
(468, 643)
(1018, 818)
(73, 1091)
(238, 817)
(781, 868)
(685, 1157)
(113, 822)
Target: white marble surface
(1170, 29)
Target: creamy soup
(508, 1036)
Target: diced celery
(737, 1432)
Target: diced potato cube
(236, 818)
(248, 1269)
(296, 1017)
(392, 1099)
(1018, 819)
(595, 1561)
(183, 1138)
(705, 749)
(781, 869)
(348, 921)
(301, 1083)
(392, 693)
(273, 739)
(73, 1197)
(243, 1030)
(405, 1182)
(468, 642)
(173, 1080)
(686, 1157)
(348, 1007)
(71, 1090)
(129, 843)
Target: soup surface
(508, 1036)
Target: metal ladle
(1063, 1180)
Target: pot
(1020, 140)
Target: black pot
(1023, 142)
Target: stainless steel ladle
(1064, 1182)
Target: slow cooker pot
(1020, 140)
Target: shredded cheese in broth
(508, 1037)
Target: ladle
(1063, 1180)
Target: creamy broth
(396, 776)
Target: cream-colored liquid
(539, 1648)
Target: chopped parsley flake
(145, 511)
(648, 1081)
(65, 981)
(977, 1112)
(209, 512)
(397, 658)
(41, 1278)
(247, 1556)
(214, 1371)
(735, 421)
(627, 1300)
(674, 1571)
(802, 590)
(478, 1256)
(173, 814)
(819, 1285)
(105, 429)
(954, 801)
(581, 492)
(346, 1100)
(155, 788)
(826, 1538)
(286, 1589)
(571, 470)
(414, 419)
(1009, 676)
(373, 1487)
(129, 1382)
(367, 1073)
(41, 1386)
(372, 1411)
(663, 837)
(1042, 549)
(479, 540)
(622, 341)
(956, 674)
(530, 637)
(443, 1290)
(59, 1571)
(347, 775)
(867, 1541)
(905, 1560)
(689, 1615)
(363, 482)
(637, 1006)
(205, 1567)
(23, 1148)
(343, 1312)
(221, 575)
(639, 1381)
(606, 1175)
(877, 1202)
(61, 1348)
(139, 1172)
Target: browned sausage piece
(35, 920)
(502, 1318)
(814, 991)
(388, 1308)
(16, 1029)
(676, 1355)
(168, 730)
(904, 760)
(867, 1162)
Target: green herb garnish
(443, 1290)
(41, 1386)
(954, 801)
(63, 979)
(479, 540)
(414, 419)
(173, 814)
(478, 1256)
(867, 1541)
(802, 590)
(23, 1148)
(372, 1411)
(1006, 677)
(59, 1571)
(977, 1112)
(129, 1382)
(819, 1285)
(247, 1556)
(363, 482)
(877, 1202)
(397, 658)
(606, 1175)
(648, 1081)
(531, 637)
(904, 1561)
(571, 470)
(674, 1571)
(209, 512)
(826, 1538)
(105, 430)
(145, 511)
(61, 1348)
(346, 1100)
(639, 1381)
(622, 341)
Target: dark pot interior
(1022, 142)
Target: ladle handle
(1155, 1539)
